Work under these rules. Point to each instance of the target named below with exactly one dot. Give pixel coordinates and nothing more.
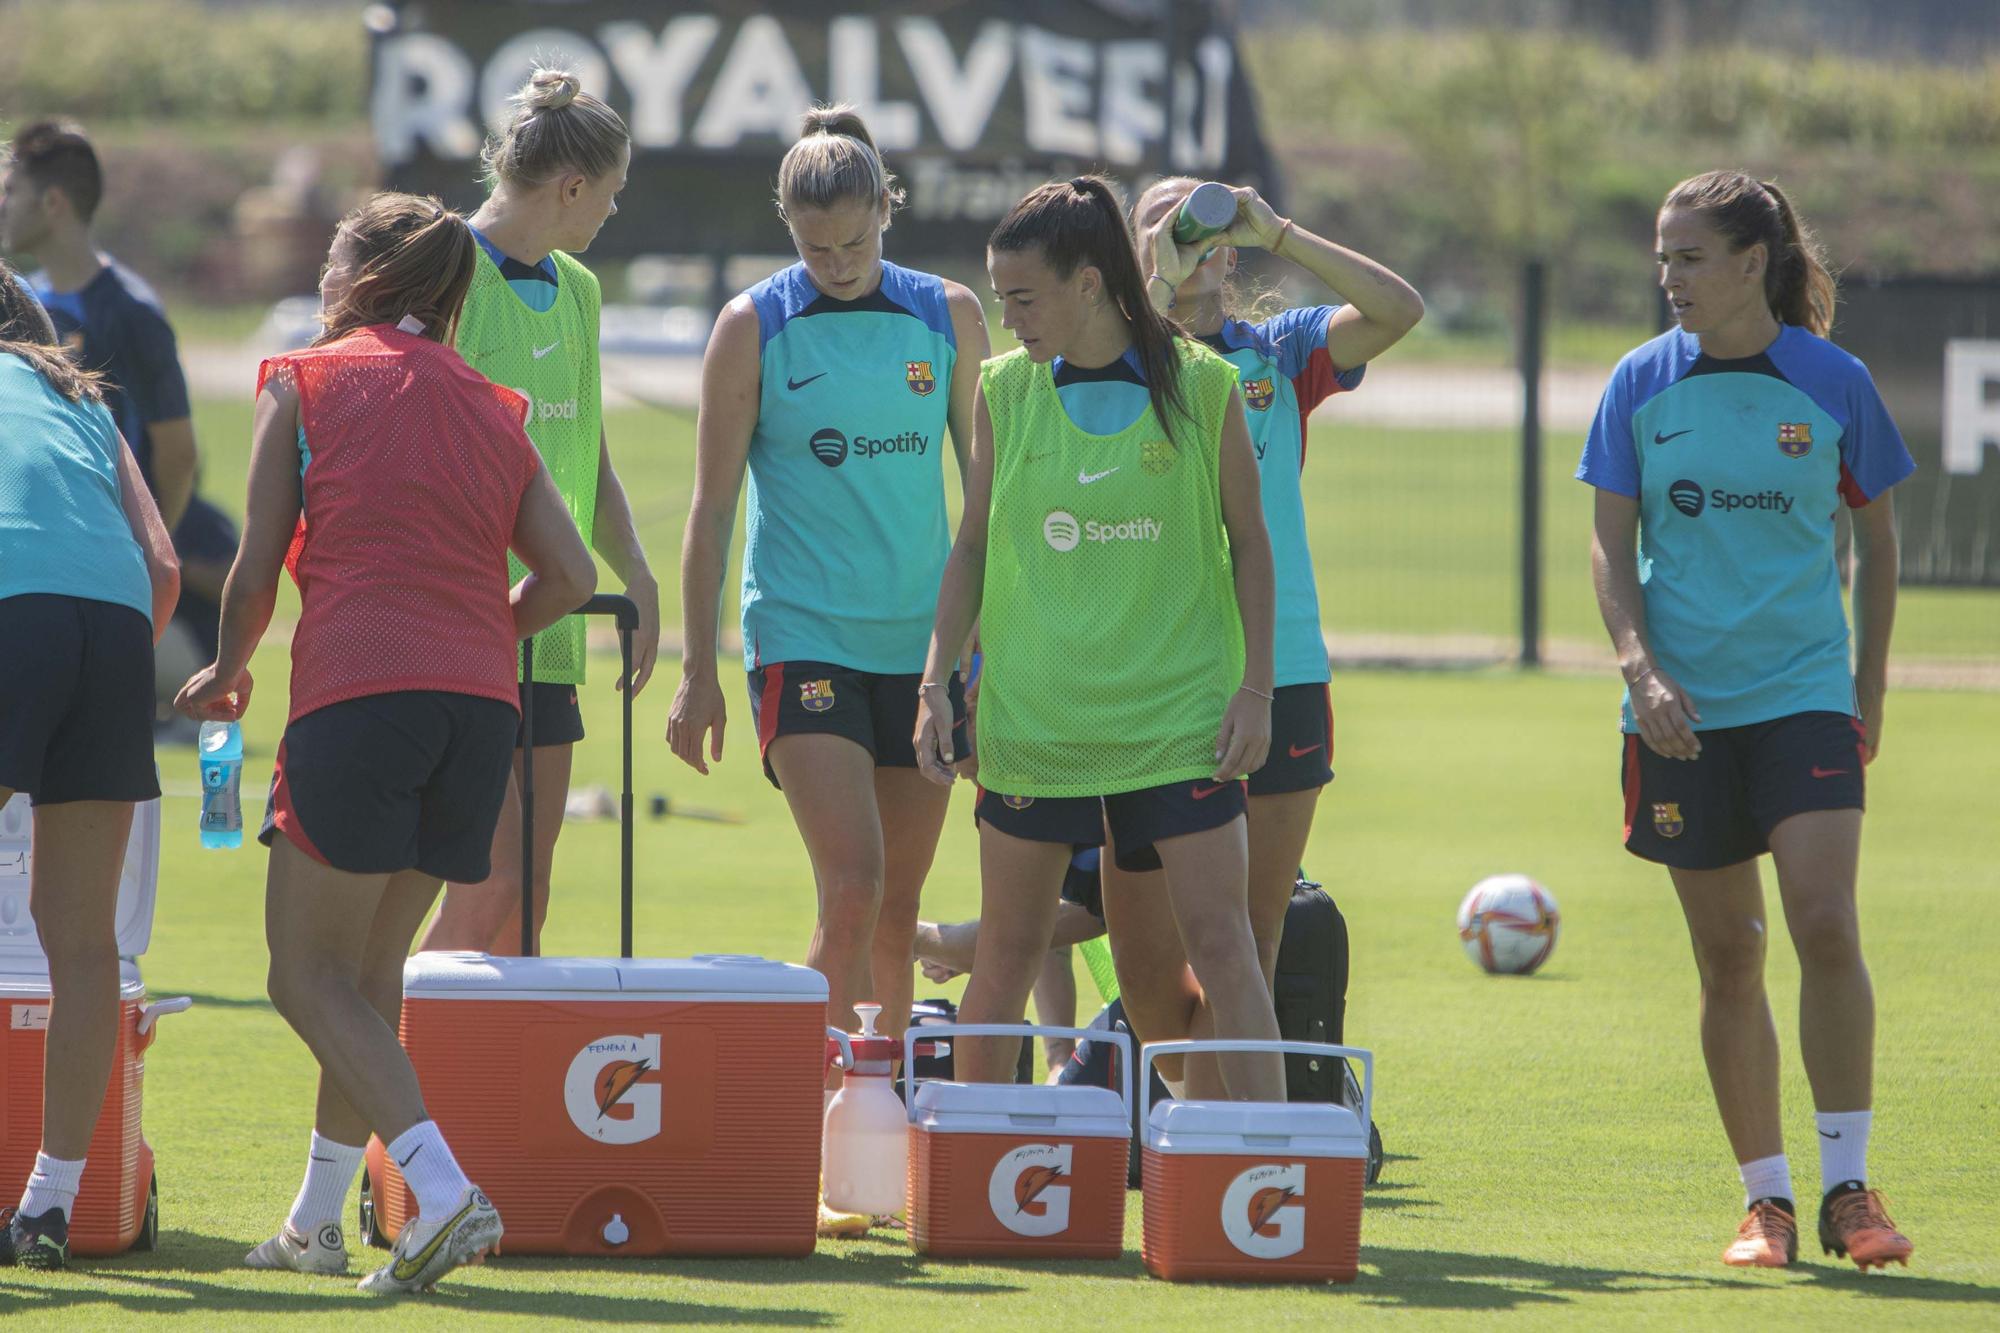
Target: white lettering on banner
(959, 97)
(945, 191)
(1083, 98)
(1055, 84)
(658, 73)
(1129, 117)
(423, 84)
(507, 69)
(760, 90)
(854, 73)
(1971, 403)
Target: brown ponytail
(1750, 212)
(1078, 222)
(834, 162)
(25, 331)
(556, 128)
(412, 256)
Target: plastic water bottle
(221, 749)
(865, 1137)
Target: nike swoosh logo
(1297, 753)
(406, 1270)
(1823, 1134)
(1662, 439)
(1085, 478)
(800, 384)
(1203, 793)
(1819, 772)
(541, 352)
(411, 1158)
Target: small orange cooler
(636, 1106)
(117, 1206)
(1255, 1191)
(1018, 1171)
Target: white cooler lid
(733, 978)
(32, 982)
(1015, 1108)
(138, 885)
(1301, 1129)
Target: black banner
(971, 104)
(1933, 346)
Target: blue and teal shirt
(535, 284)
(847, 536)
(1739, 467)
(63, 529)
(1284, 373)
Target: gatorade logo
(1264, 1213)
(603, 1092)
(1029, 1189)
(1063, 531)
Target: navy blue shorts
(76, 700)
(1301, 757)
(411, 780)
(877, 712)
(558, 720)
(1137, 819)
(1719, 809)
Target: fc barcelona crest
(815, 696)
(1795, 438)
(1257, 394)
(1157, 457)
(918, 373)
(1017, 802)
(1667, 821)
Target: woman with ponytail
(1720, 454)
(1113, 552)
(833, 383)
(392, 480)
(530, 323)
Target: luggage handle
(626, 613)
(1153, 1050)
(1123, 1041)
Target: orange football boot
(1854, 1223)
(1768, 1238)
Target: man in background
(112, 323)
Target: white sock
(1843, 1147)
(432, 1172)
(53, 1185)
(330, 1169)
(1766, 1178)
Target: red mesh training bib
(416, 472)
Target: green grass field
(1554, 1152)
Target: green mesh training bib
(1109, 624)
(551, 356)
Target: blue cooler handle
(930, 1030)
(1153, 1050)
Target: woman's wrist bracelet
(1283, 231)
(1157, 276)
(923, 685)
(1268, 698)
(1633, 683)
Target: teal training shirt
(1739, 467)
(847, 536)
(63, 529)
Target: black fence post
(1534, 320)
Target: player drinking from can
(1289, 363)
(1720, 453)
(87, 584)
(1113, 552)
(530, 323)
(393, 479)
(833, 382)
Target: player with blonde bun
(531, 323)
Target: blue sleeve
(1296, 334)
(1610, 461)
(157, 388)
(1873, 456)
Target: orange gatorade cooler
(1018, 1171)
(636, 1106)
(117, 1205)
(1255, 1191)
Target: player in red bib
(392, 480)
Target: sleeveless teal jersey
(847, 536)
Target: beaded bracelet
(1269, 698)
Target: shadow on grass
(1896, 1284)
(203, 1001)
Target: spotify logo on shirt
(1063, 531)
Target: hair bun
(551, 90)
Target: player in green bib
(530, 323)
(1122, 584)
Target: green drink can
(1209, 210)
